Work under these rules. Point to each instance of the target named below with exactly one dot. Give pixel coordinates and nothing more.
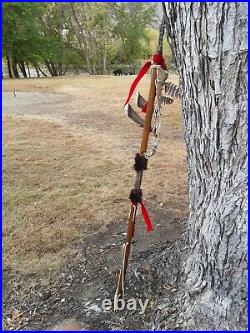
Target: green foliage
(93, 35)
(20, 25)
(131, 21)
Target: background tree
(209, 41)
(95, 37)
(131, 21)
(58, 53)
(92, 28)
(20, 39)
(34, 33)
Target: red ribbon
(145, 216)
(139, 76)
(158, 60)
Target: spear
(137, 187)
(140, 166)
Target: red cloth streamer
(139, 76)
(158, 60)
(146, 217)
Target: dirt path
(90, 110)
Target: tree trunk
(22, 68)
(65, 70)
(9, 68)
(51, 68)
(38, 68)
(209, 41)
(60, 69)
(104, 63)
(14, 68)
(28, 68)
(76, 70)
(88, 64)
(37, 71)
(80, 38)
(54, 70)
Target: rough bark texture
(209, 41)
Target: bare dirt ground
(68, 152)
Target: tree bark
(28, 68)
(65, 70)
(47, 64)
(88, 63)
(14, 67)
(38, 68)
(51, 68)
(76, 69)
(37, 71)
(104, 63)
(22, 68)
(9, 68)
(209, 41)
(60, 69)
(54, 70)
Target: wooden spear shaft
(132, 215)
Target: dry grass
(55, 188)
(69, 177)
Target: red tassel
(146, 217)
